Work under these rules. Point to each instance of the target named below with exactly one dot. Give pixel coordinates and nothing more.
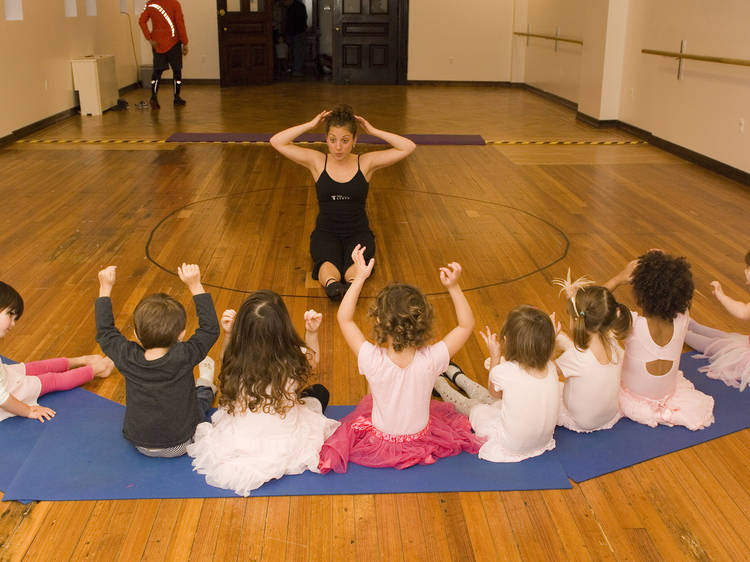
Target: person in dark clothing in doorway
(295, 26)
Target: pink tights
(55, 374)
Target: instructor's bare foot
(102, 367)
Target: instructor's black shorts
(337, 249)
(173, 58)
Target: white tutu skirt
(729, 360)
(241, 452)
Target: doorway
(357, 41)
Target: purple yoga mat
(318, 137)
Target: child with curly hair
(728, 353)
(269, 423)
(592, 360)
(396, 424)
(654, 390)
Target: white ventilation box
(96, 81)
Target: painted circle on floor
(259, 239)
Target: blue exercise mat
(588, 455)
(81, 455)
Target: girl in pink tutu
(654, 390)
(21, 384)
(516, 413)
(268, 423)
(592, 361)
(397, 425)
(728, 353)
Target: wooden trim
(38, 125)
(551, 96)
(685, 153)
(594, 122)
(456, 83)
(129, 88)
(704, 58)
(551, 37)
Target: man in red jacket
(168, 40)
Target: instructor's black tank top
(342, 205)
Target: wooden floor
(514, 216)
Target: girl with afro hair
(653, 389)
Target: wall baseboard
(37, 126)
(685, 153)
(504, 84)
(550, 96)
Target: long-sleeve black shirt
(161, 407)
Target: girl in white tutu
(592, 361)
(268, 423)
(728, 353)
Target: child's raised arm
(190, 274)
(107, 278)
(737, 309)
(312, 325)
(493, 346)
(456, 338)
(345, 316)
(227, 323)
(625, 276)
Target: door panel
(366, 41)
(245, 41)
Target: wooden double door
(369, 41)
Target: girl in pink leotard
(22, 383)
(654, 390)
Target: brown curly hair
(402, 313)
(598, 312)
(264, 367)
(662, 285)
(341, 116)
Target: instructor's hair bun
(342, 116)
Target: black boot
(177, 86)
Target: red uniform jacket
(167, 25)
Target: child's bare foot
(102, 367)
(83, 360)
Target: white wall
(35, 55)
(702, 111)
(557, 72)
(455, 41)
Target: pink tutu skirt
(358, 441)
(685, 406)
(729, 360)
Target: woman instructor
(342, 180)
